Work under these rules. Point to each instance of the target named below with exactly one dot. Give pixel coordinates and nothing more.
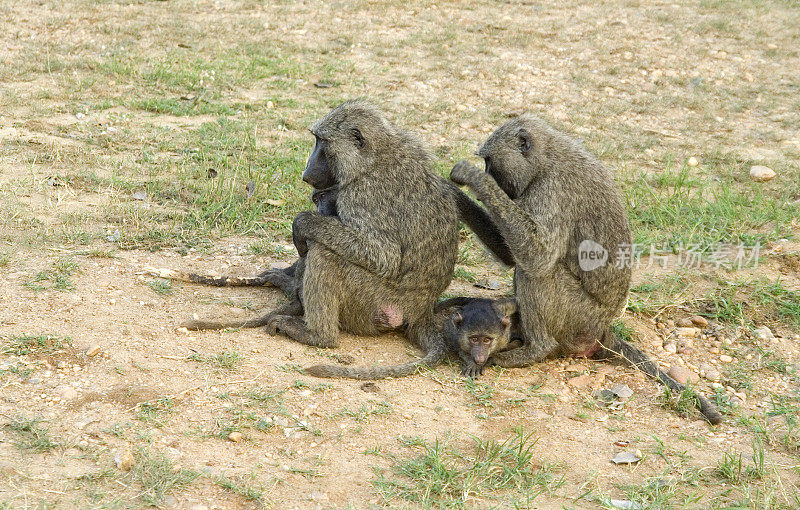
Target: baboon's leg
(321, 290)
(292, 308)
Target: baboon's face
(505, 154)
(319, 172)
(325, 201)
(483, 330)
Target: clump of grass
(161, 286)
(242, 488)
(38, 345)
(32, 436)
(462, 274)
(155, 412)
(731, 468)
(371, 408)
(480, 391)
(684, 402)
(56, 278)
(441, 476)
(225, 359)
(5, 259)
(158, 476)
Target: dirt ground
(113, 116)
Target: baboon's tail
(435, 351)
(613, 346)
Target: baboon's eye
(358, 137)
(525, 143)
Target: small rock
(670, 347)
(370, 387)
(714, 350)
(764, 334)
(684, 323)
(488, 284)
(124, 459)
(692, 162)
(759, 173)
(683, 375)
(344, 359)
(622, 391)
(582, 381)
(725, 358)
(66, 392)
(624, 504)
(93, 350)
(688, 332)
(140, 195)
(7, 469)
(235, 436)
(699, 321)
(626, 458)
(319, 496)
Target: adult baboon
(561, 215)
(395, 241)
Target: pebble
(699, 321)
(764, 334)
(725, 358)
(692, 161)
(684, 323)
(670, 347)
(712, 375)
(626, 458)
(582, 381)
(124, 459)
(759, 173)
(66, 392)
(688, 332)
(683, 375)
(235, 436)
(93, 350)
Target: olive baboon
(289, 279)
(479, 327)
(561, 215)
(395, 242)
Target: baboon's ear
(506, 306)
(525, 141)
(457, 318)
(358, 138)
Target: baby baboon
(561, 215)
(395, 241)
(289, 280)
(478, 328)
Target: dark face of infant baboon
(484, 327)
(325, 201)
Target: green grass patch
(158, 476)
(31, 436)
(37, 345)
(493, 473)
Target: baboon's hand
(300, 228)
(464, 173)
(472, 369)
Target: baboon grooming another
(561, 216)
(395, 242)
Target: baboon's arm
(479, 221)
(368, 249)
(536, 243)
